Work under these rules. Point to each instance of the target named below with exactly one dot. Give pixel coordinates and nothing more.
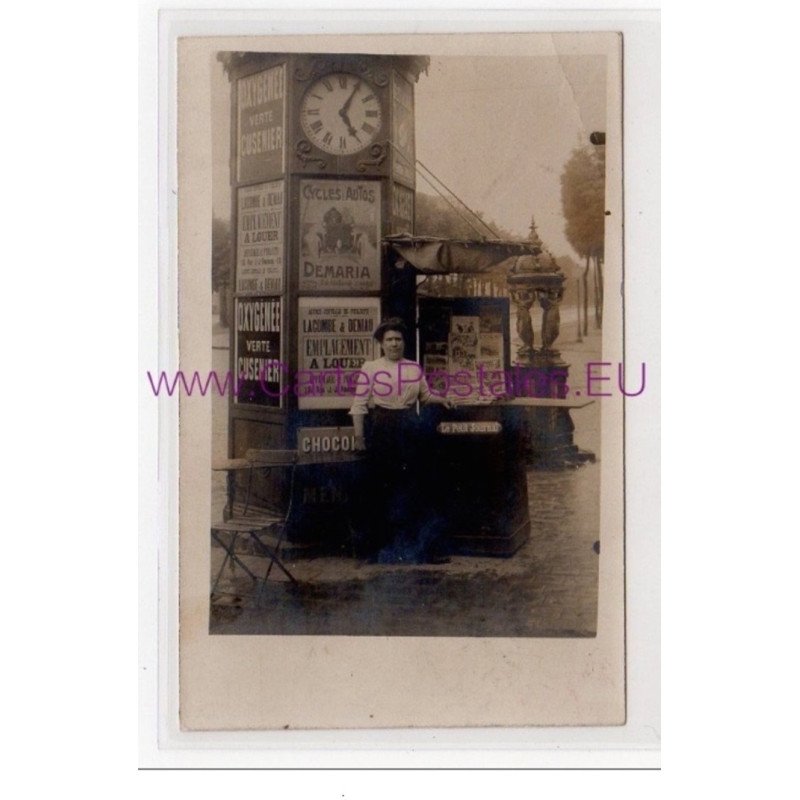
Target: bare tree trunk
(598, 265)
(586, 297)
(225, 303)
(578, 305)
(596, 284)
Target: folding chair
(247, 520)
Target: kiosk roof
(432, 255)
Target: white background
(70, 436)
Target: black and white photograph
(412, 401)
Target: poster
(340, 236)
(258, 369)
(334, 340)
(262, 124)
(490, 343)
(462, 352)
(402, 209)
(463, 343)
(260, 239)
(404, 167)
(490, 351)
(466, 325)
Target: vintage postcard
(401, 429)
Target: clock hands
(351, 130)
(346, 106)
(340, 94)
(344, 109)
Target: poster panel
(257, 357)
(463, 347)
(260, 239)
(334, 340)
(340, 223)
(261, 125)
(403, 162)
(402, 209)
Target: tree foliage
(434, 216)
(583, 184)
(570, 267)
(583, 200)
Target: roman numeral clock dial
(341, 114)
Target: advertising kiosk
(482, 445)
(323, 185)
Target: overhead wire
(435, 177)
(476, 216)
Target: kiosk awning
(432, 255)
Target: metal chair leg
(230, 555)
(274, 558)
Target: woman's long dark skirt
(397, 510)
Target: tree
(573, 274)
(434, 216)
(221, 265)
(583, 203)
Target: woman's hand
(441, 400)
(359, 444)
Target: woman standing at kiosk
(401, 527)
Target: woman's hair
(391, 324)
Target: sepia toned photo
(410, 375)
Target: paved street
(548, 588)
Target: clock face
(341, 114)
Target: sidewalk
(548, 588)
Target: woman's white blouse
(389, 384)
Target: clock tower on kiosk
(322, 168)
